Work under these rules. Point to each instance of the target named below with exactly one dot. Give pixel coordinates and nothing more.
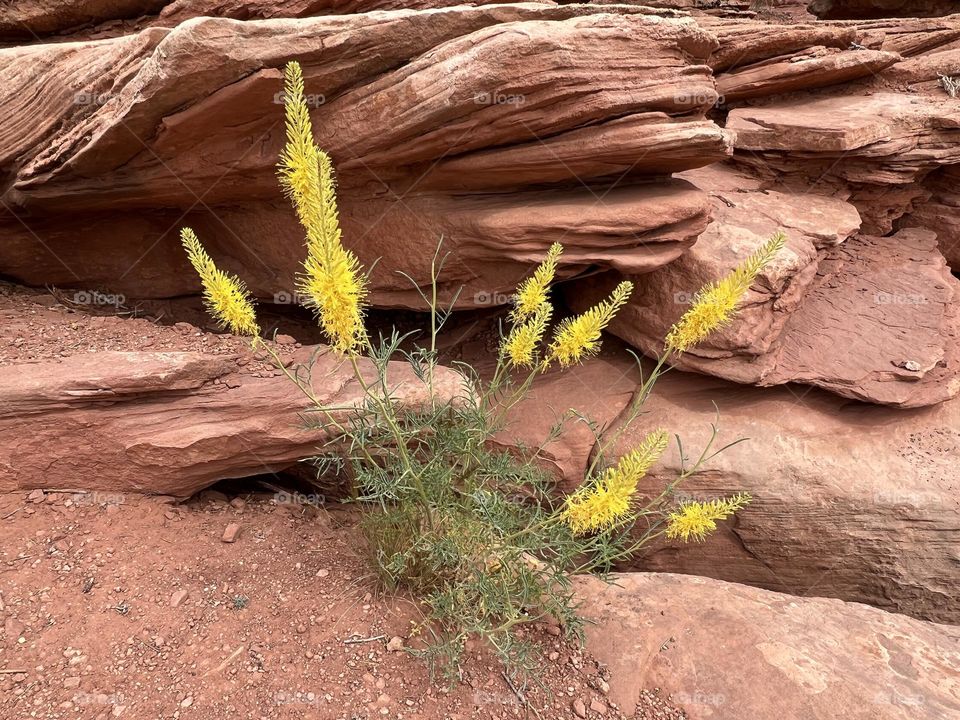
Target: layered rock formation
(857, 9)
(843, 136)
(890, 302)
(166, 128)
(727, 651)
(851, 501)
(170, 415)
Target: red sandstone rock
(727, 651)
(187, 130)
(940, 212)
(158, 422)
(803, 70)
(856, 9)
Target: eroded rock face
(29, 20)
(859, 9)
(37, 20)
(850, 501)
(97, 402)
(940, 212)
(728, 651)
(888, 301)
(466, 123)
(161, 423)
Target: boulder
(889, 301)
(465, 123)
(167, 423)
(850, 501)
(722, 650)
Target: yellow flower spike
(579, 337)
(695, 519)
(224, 295)
(532, 292)
(601, 504)
(332, 282)
(716, 304)
(520, 346)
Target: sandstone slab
(850, 501)
(721, 650)
(162, 423)
(888, 301)
(804, 70)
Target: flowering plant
(478, 535)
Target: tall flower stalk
(331, 280)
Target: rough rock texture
(599, 390)
(941, 212)
(857, 9)
(883, 138)
(850, 501)
(167, 423)
(94, 401)
(35, 20)
(807, 69)
(32, 19)
(729, 651)
(890, 302)
(166, 128)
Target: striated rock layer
(167, 423)
(498, 128)
(728, 651)
(888, 302)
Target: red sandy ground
(87, 584)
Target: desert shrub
(477, 534)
